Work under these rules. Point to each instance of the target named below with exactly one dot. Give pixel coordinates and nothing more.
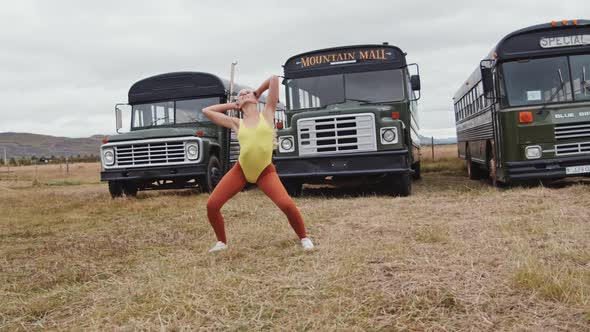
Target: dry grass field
(456, 255)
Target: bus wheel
(115, 189)
(130, 189)
(213, 174)
(293, 187)
(492, 175)
(474, 172)
(492, 167)
(398, 184)
(417, 171)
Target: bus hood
(162, 133)
(344, 109)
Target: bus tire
(417, 171)
(115, 189)
(492, 175)
(213, 175)
(293, 187)
(474, 171)
(130, 189)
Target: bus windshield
(321, 91)
(171, 112)
(537, 81)
(581, 76)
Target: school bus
(524, 113)
(351, 114)
(171, 143)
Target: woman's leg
(272, 186)
(230, 184)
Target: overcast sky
(64, 64)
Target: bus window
(580, 65)
(326, 89)
(163, 114)
(191, 110)
(537, 81)
(375, 85)
(156, 114)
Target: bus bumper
(544, 168)
(154, 173)
(381, 162)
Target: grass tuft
(554, 283)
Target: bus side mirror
(415, 82)
(119, 109)
(119, 119)
(487, 77)
(487, 80)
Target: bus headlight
(286, 144)
(108, 156)
(533, 152)
(192, 151)
(389, 135)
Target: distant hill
(438, 141)
(19, 145)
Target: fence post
(67, 167)
(432, 145)
(6, 161)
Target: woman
(255, 134)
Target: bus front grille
(572, 130)
(152, 153)
(337, 134)
(572, 148)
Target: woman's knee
(214, 205)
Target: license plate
(339, 164)
(577, 169)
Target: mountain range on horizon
(26, 145)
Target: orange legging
(271, 185)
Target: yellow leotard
(256, 145)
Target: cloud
(64, 64)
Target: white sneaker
(306, 244)
(219, 246)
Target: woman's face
(247, 95)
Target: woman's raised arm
(272, 85)
(216, 113)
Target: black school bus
(524, 113)
(351, 113)
(171, 143)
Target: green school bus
(524, 113)
(171, 143)
(351, 114)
